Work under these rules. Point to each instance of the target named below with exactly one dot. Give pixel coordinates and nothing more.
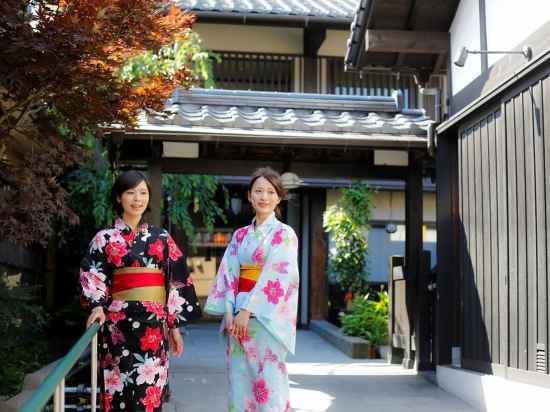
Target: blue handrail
(55, 381)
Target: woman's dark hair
(272, 177)
(127, 180)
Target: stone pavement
(321, 379)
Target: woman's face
(134, 201)
(263, 197)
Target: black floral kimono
(133, 343)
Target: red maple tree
(60, 76)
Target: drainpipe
(432, 138)
(433, 91)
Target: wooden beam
(302, 169)
(406, 41)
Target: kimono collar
(267, 224)
(124, 228)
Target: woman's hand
(228, 323)
(240, 325)
(97, 314)
(176, 342)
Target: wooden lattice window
(261, 72)
(369, 83)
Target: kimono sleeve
(221, 298)
(182, 303)
(94, 279)
(276, 291)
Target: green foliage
(194, 194)
(90, 185)
(22, 322)
(346, 223)
(189, 195)
(170, 60)
(368, 319)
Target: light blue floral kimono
(258, 379)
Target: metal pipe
(93, 398)
(62, 395)
(56, 397)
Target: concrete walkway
(321, 379)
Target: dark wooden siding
(504, 217)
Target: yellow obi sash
(144, 284)
(248, 277)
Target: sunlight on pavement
(349, 369)
(307, 400)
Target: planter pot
(384, 351)
(372, 353)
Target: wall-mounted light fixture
(526, 51)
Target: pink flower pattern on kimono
(258, 256)
(117, 336)
(113, 380)
(117, 305)
(115, 317)
(163, 377)
(175, 302)
(278, 237)
(260, 391)
(173, 251)
(273, 291)
(250, 406)
(251, 352)
(240, 234)
(156, 308)
(287, 407)
(115, 252)
(147, 372)
(93, 285)
(270, 356)
(98, 242)
(280, 267)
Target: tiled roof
(287, 116)
(342, 9)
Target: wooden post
(318, 307)
(395, 310)
(423, 322)
(155, 179)
(413, 250)
(447, 249)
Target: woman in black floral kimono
(134, 279)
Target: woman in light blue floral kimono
(256, 289)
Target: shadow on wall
(475, 295)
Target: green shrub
(346, 223)
(23, 343)
(368, 319)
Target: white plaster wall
(465, 32)
(251, 39)
(509, 22)
(335, 43)
(488, 393)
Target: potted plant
(369, 319)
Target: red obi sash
(144, 284)
(248, 277)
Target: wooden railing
(54, 384)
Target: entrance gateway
(323, 139)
